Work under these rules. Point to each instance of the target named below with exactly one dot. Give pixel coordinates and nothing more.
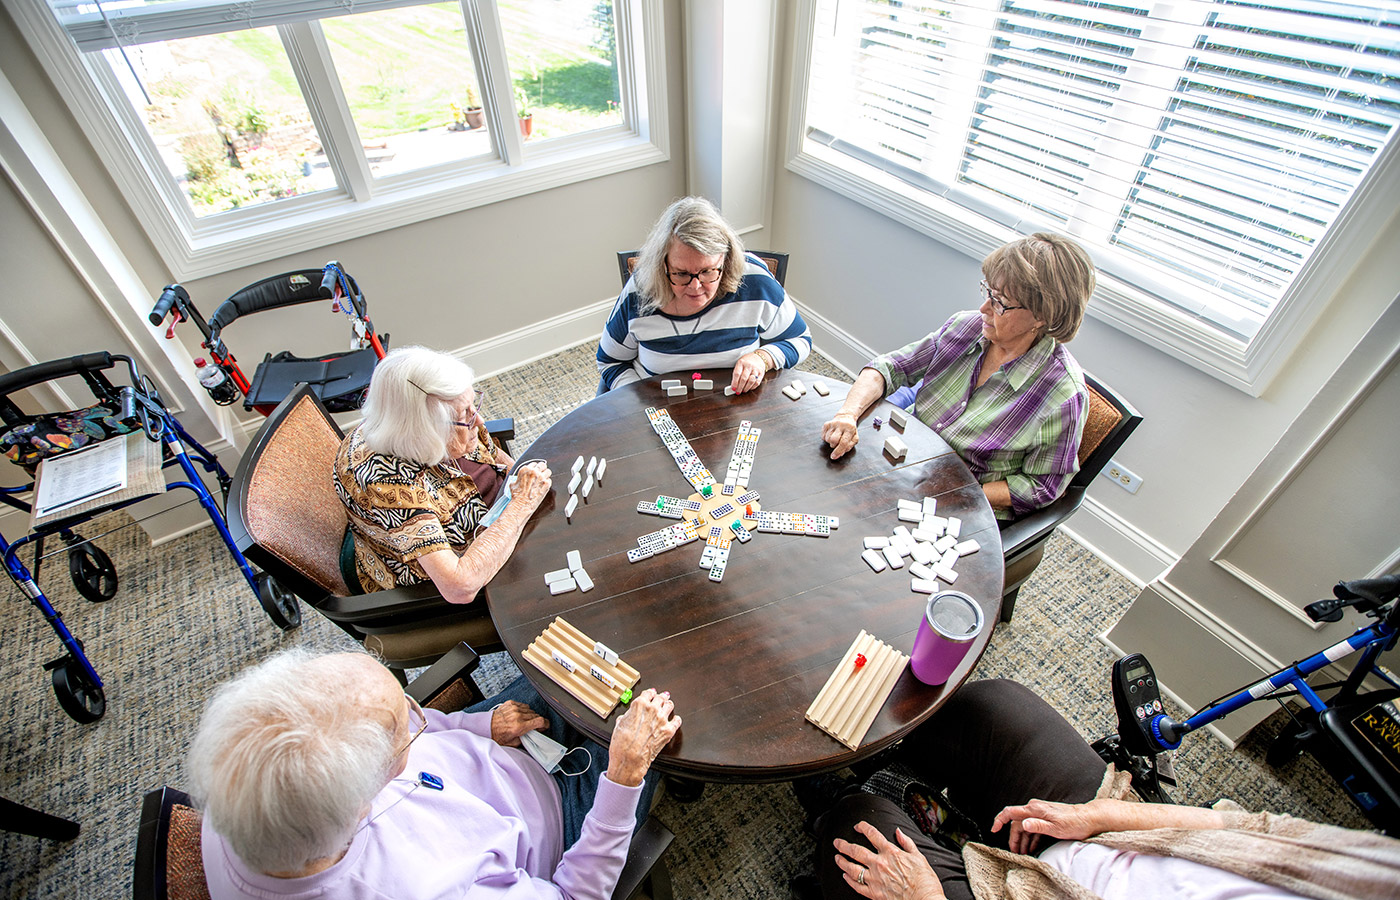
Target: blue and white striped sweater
(634, 346)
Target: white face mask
(549, 753)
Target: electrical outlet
(1122, 477)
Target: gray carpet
(184, 620)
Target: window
(247, 124)
(1202, 149)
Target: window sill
(321, 221)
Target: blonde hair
(409, 410)
(1048, 274)
(695, 222)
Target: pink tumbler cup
(950, 623)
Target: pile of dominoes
(561, 581)
(584, 478)
(674, 387)
(797, 389)
(932, 547)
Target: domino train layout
(720, 516)
(932, 547)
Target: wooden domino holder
(578, 648)
(847, 714)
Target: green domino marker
(625, 696)
(661, 504)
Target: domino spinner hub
(717, 513)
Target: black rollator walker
(1354, 734)
(29, 440)
(339, 380)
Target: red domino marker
(695, 376)
(860, 660)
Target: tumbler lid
(954, 615)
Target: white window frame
(1249, 367)
(193, 248)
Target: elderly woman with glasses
(997, 383)
(319, 777)
(418, 477)
(696, 301)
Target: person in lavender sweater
(319, 777)
(997, 382)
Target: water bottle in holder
(216, 381)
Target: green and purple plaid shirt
(1022, 426)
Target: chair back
(777, 263)
(283, 511)
(1109, 421)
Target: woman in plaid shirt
(998, 383)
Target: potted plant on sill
(524, 113)
(474, 116)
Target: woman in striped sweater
(696, 301)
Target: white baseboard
(834, 342)
(537, 340)
(1126, 549)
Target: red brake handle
(176, 317)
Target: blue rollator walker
(30, 439)
(1354, 733)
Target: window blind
(102, 26)
(1201, 148)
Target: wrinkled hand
(888, 872)
(532, 482)
(512, 719)
(639, 736)
(840, 434)
(1066, 821)
(749, 372)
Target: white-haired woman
(319, 777)
(418, 476)
(695, 301)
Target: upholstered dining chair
(1109, 422)
(169, 865)
(284, 515)
(777, 263)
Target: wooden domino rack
(846, 705)
(577, 647)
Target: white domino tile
(874, 559)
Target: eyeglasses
(416, 718)
(998, 306)
(474, 411)
(681, 279)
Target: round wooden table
(745, 657)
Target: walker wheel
(280, 604)
(77, 693)
(92, 572)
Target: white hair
(409, 411)
(284, 762)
